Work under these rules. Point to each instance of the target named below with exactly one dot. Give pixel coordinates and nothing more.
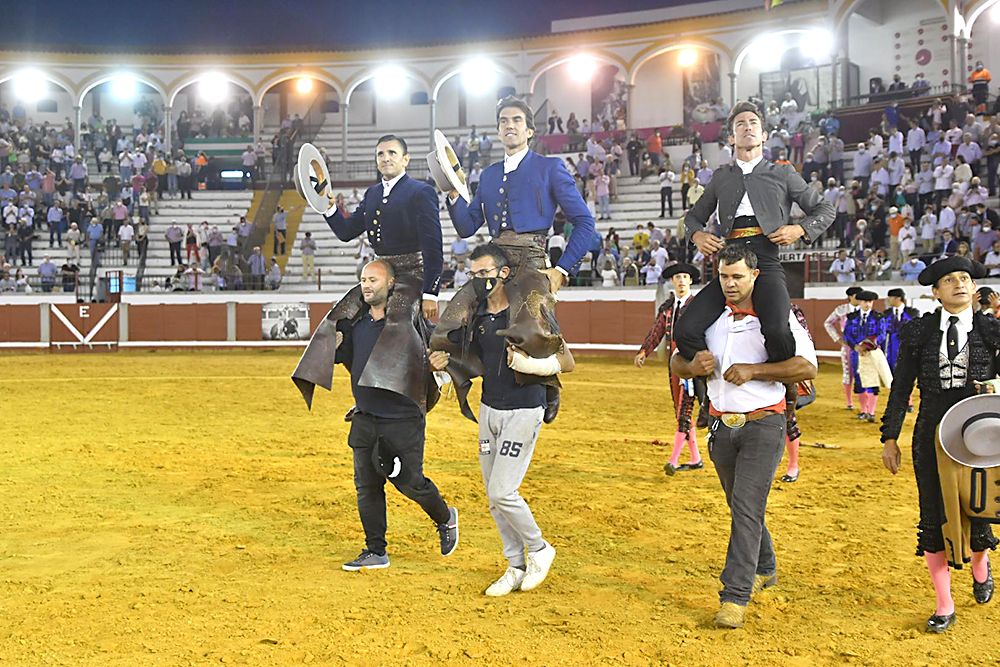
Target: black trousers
(770, 301)
(666, 199)
(633, 163)
(376, 443)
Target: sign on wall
(703, 90)
(285, 321)
(609, 97)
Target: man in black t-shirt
(510, 417)
(387, 432)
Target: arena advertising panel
(284, 321)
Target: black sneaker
(691, 466)
(449, 533)
(983, 592)
(367, 560)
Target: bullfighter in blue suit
(864, 330)
(895, 316)
(400, 216)
(517, 200)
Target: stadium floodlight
(995, 13)
(390, 81)
(304, 85)
(30, 85)
(687, 57)
(479, 76)
(817, 44)
(582, 67)
(213, 88)
(124, 87)
(767, 52)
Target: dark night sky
(179, 26)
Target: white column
(629, 106)
(732, 88)
(168, 130)
(343, 132)
(78, 114)
(432, 115)
(962, 66)
(258, 122)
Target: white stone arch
(457, 69)
(563, 58)
(62, 82)
(373, 72)
(659, 50)
(973, 15)
(286, 75)
(744, 50)
(99, 79)
(194, 77)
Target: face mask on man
(483, 287)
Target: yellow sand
(184, 508)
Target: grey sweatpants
(506, 443)
(745, 460)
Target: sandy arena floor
(185, 509)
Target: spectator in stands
(585, 128)
(980, 80)
(279, 223)
(916, 139)
(897, 84)
(191, 244)
(843, 268)
(835, 154)
(962, 175)
(654, 146)
(69, 274)
(78, 174)
(789, 109)
(474, 175)
(878, 266)
(970, 152)
(572, 124)
(983, 239)
(243, 230)
(307, 246)
(863, 164)
(125, 235)
(47, 272)
(56, 221)
(943, 176)
(258, 268)
(992, 154)
(992, 259)
(896, 168)
(880, 179)
(174, 236)
(651, 272)
(144, 201)
(630, 273)
(912, 268)
(472, 146)
(609, 276)
(273, 278)
(949, 246)
(634, 149)
(602, 189)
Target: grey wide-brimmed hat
(970, 431)
(312, 180)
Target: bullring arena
(170, 500)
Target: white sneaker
(509, 582)
(539, 563)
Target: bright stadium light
(687, 57)
(124, 87)
(304, 85)
(213, 88)
(30, 85)
(390, 81)
(479, 76)
(767, 53)
(582, 68)
(817, 44)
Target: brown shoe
(730, 615)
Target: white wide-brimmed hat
(445, 168)
(312, 180)
(970, 431)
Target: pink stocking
(980, 565)
(675, 453)
(937, 565)
(692, 441)
(872, 403)
(793, 455)
(859, 400)
(849, 395)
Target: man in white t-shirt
(125, 234)
(747, 433)
(658, 253)
(843, 267)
